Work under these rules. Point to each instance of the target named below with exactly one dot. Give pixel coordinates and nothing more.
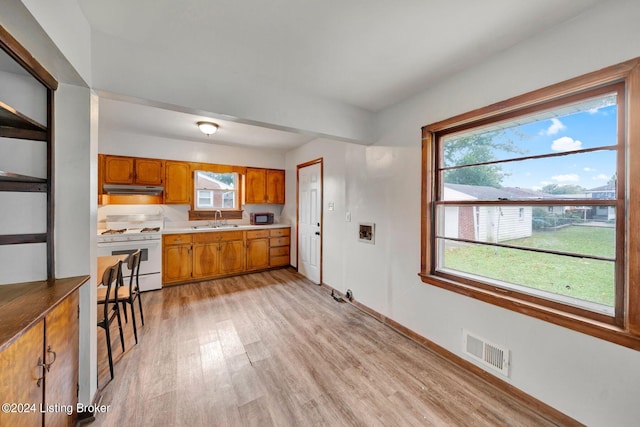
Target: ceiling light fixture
(208, 128)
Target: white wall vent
(488, 354)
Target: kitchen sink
(210, 227)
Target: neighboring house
(212, 193)
(603, 192)
(488, 223)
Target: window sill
(205, 215)
(594, 328)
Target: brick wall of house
(465, 223)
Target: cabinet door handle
(55, 356)
(40, 365)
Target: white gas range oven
(125, 234)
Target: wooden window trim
(209, 214)
(626, 328)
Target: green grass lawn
(581, 278)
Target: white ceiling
(368, 54)
(169, 122)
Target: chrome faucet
(216, 224)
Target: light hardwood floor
(273, 349)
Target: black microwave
(261, 218)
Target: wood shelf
(17, 239)
(15, 182)
(14, 124)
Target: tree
(562, 189)
(476, 149)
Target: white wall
(114, 141)
(66, 25)
(593, 381)
(333, 154)
(75, 214)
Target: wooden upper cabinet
(149, 171)
(178, 187)
(256, 186)
(132, 170)
(264, 186)
(118, 170)
(275, 186)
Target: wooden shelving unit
(14, 124)
(17, 125)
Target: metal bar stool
(112, 281)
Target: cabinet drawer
(176, 239)
(278, 241)
(279, 261)
(279, 232)
(217, 236)
(257, 234)
(225, 236)
(280, 251)
(206, 237)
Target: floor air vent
(488, 354)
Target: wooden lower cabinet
(61, 351)
(207, 255)
(20, 371)
(257, 249)
(188, 257)
(232, 257)
(40, 371)
(176, 258)
(206, 260)
(279, 243)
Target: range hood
(146, 190)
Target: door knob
(317, 233)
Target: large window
(526, 205)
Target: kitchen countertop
(205, 229)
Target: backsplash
(178, 215)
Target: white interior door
(309, 221)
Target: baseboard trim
(548, 412)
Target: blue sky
(585, 129)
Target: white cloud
(572, 177)
(555, 127)
(601, 177)
(566, 143)
(546, 182)
(588, 169)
